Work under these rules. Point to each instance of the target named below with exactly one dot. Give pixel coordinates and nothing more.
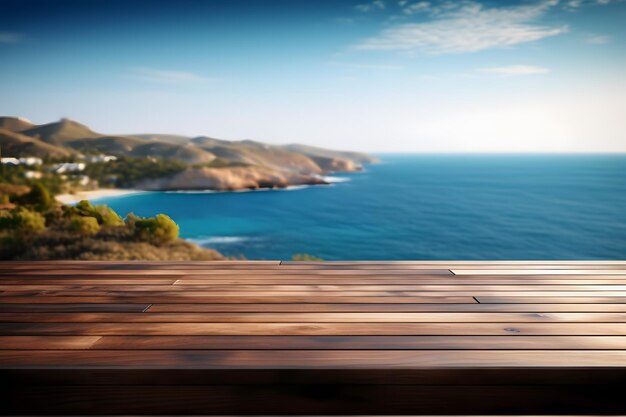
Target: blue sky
(379, 75)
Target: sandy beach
(94, 194)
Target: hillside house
(67, 167)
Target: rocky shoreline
(229, 179)
(221, 182)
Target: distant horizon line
(400, 153)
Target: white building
(99, 158)
(68, 167)
(33, 174)
(31, 160)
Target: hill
(15, 124)
(159, 137)
(314, 151)
(111, 145)
(186, 153)
(211, 163)
(15, 145)
(61, 132)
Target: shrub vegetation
(34, 226)
(127, 171)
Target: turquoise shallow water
(419, 207)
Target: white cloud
(513, 70)
(167, 76)
(467, 27)
(573, 5)
(368, 7)
(597, 39)
(379, 3)
(6, 37)
(420, 6)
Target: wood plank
(132, 281)
(142, 299)
(597, 271)
(452, 265)
(139, 270)
(396, 307)
(90, 307)
(361, 342)
(190, 294)
(477, 264)
(397, 337)
(382, 275)
(247, 277)
(312, 280)
(292, 317)
(331, 264)
(138, 265)
(47, 342)
(322, 288)
(222, 271)
(504, 299)
(313, 359)
(319, 266)
(321, 329)
(119, 263)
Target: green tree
(128, 171)
(158, 230)
(108, 216)
(22, 220)
(103, 214)
(85, 208)
(87, 226)
(38, 196)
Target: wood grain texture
(287, 329)
(141, 298)
(345, 337)
(314, 359)
(336, 289)
(528, 271)
(318, 317)
(70, 307)
(47, 342)
(382, 308)
(361, 342)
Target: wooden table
(269, 337)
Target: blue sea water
(422, 207)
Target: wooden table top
(349, 324)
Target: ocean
(418, 207)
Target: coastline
(73, 198)
(95, 194)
